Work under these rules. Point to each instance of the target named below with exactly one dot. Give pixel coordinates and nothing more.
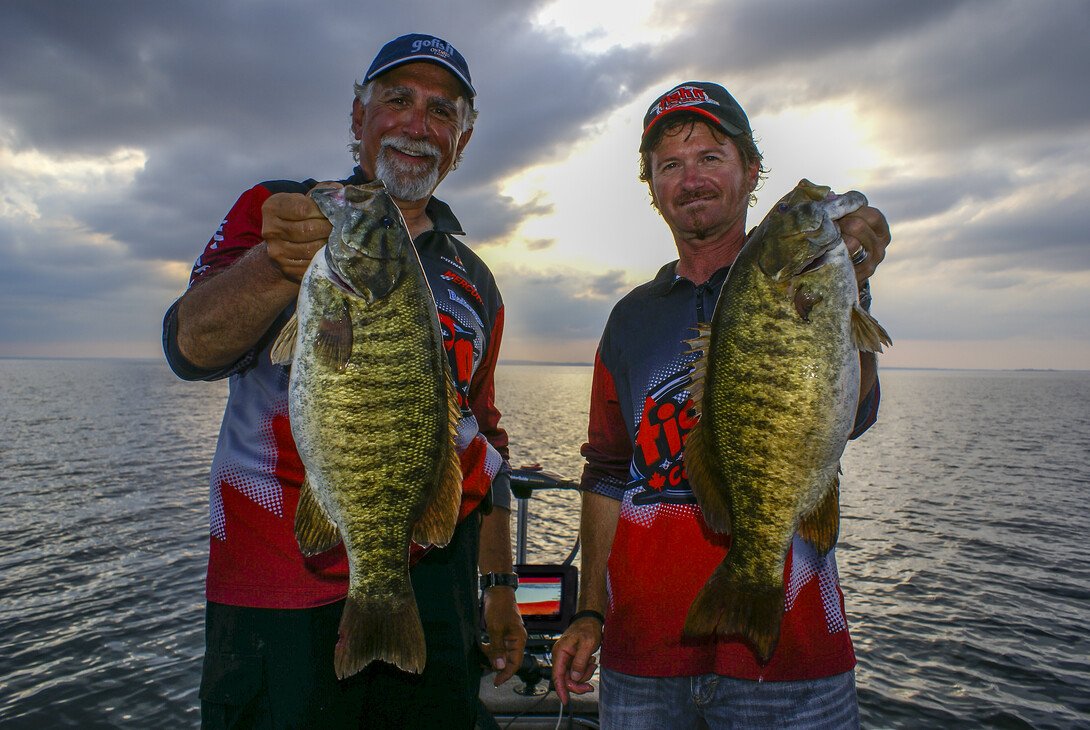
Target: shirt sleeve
(867, 413)
(482, 401)
(239, 232)
(608, 450)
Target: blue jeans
(712, 701)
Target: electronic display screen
(539, 596)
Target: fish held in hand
(777, 390)
(374, 413)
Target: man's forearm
(495, 555)
(598, 525)
(223, 317)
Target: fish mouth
(336, 279)
(815, 263)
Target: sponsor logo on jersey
(456, 262)
(217, 237)
(467, 286)
(458, 342)
(458, 300)
(660, 440)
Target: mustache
(416, 147)
(690, 197)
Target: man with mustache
(646, 548)
(272, 616)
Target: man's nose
(416, 123)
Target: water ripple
(961, 550)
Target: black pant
(273, 668)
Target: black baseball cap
(700, 97)
(420, 47)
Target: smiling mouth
(422, 156)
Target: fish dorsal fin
(283, 350)
(333, 343)
(698, 369)
(821, 527)
(436, 525)
(867, 334)
(315, 531)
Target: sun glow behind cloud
(599, 26)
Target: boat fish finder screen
(546, 596)
(540, 596)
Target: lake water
(962, 547)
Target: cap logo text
(437, 46)
(682, 97)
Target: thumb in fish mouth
(838, 206)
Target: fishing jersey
(663, 551)
(254, 559)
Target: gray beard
(402, 181)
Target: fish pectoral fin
(333, 343)
(704, 481)
(315, 531)
(436, 525)
(821, 527)
(867, 334)
(283, 350)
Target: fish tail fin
(727, 608)
(283, 350)
(387, 631)
(436, 525)
(315, 531)
(702, 478)
(867, 334)
(821, 527)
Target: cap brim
(432, 59)
(730, 129)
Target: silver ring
(859, 256)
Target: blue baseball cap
(420, 47)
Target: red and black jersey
(256, 471)
(663, 551)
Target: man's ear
(357, 117)
(464, 140)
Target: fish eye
(782, 207)
(387, 223)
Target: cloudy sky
(127, 130)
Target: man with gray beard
(272, 615)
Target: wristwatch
(488, 580)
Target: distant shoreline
(558, 364)
(577, 364)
